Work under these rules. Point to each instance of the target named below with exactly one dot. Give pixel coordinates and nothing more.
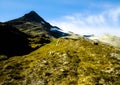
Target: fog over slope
(108, 39)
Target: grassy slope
(64, 62)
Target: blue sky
(79, 16)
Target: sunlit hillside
(64, 61)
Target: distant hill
(32, 24)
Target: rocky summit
(33, 52)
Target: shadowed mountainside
(13, 41)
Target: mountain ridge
(32, 22)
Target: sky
(79, 16)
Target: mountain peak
(32, 16)
(36, 25)
(31, 13)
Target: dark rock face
(12, 41)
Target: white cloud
(104, 22)
(96, 19)
(115, 14)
